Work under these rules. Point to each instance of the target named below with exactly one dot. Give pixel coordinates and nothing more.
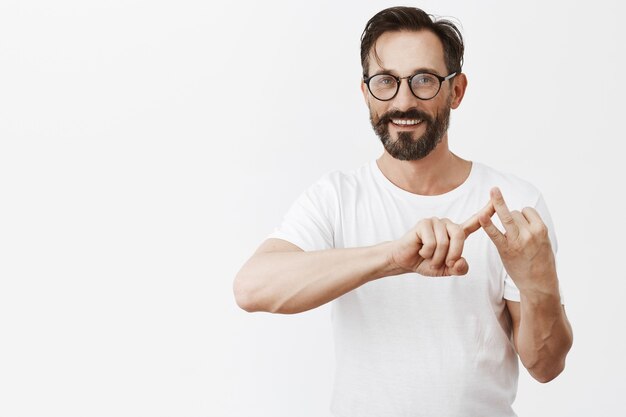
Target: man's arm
(541, 331)
(281, 278)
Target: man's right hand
(434, 247)
(282, 278)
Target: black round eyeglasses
(423, 85)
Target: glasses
(423, 85)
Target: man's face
(408, 127)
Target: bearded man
(432, 302)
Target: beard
(406, 148)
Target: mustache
(409, 114)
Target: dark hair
(400, 18)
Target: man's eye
(385, 81)
(424, 80)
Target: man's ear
(459, 85)
(364, 90)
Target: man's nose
(405, 98)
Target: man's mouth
(406, 122)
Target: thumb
(460, 267)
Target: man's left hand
(524, 248)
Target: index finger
(472, 224)
(503, 212)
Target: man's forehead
(407, 51)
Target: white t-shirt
(410, 345)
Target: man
(408, 344)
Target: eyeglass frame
(409, 78)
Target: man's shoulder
(346, 178)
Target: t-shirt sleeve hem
(291, 239)
(512, 295)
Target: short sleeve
(309, 221)
(511, 292)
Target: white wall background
(148, 147)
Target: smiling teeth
(406, 122)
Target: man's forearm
(296, 281)
(545, 335)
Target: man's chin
(410, 147)
(407, 137)
(404, 157)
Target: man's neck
(438, 173)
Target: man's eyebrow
(415, 71)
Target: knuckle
(539, 229)
(442, 234)
(491, 230)
(508, 220)
(453, 256)
(524, 238)
(542, 230)
(456, 231)
(429, 246)
(423, 225)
